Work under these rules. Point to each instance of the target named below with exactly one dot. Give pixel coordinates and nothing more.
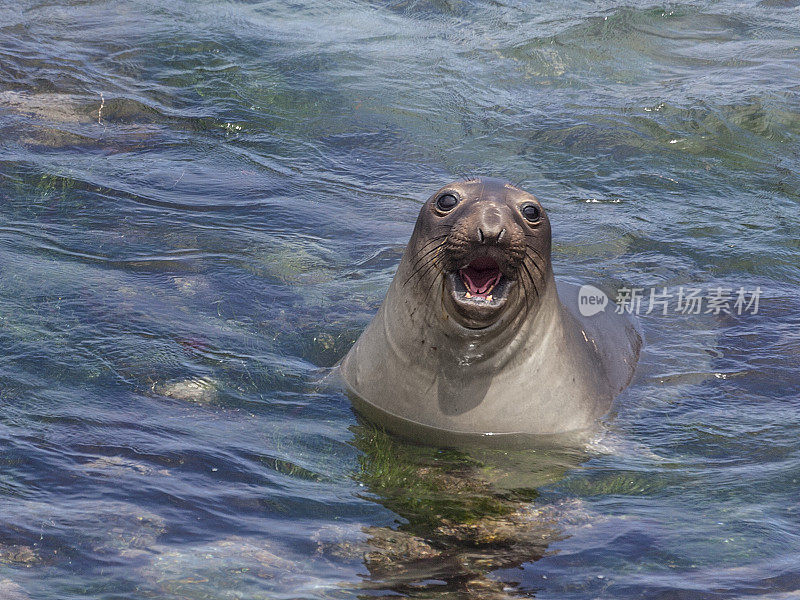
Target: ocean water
(202, 204)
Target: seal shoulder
(616, 338)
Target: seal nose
(490, 236)
(490, 226)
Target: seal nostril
(490, 235)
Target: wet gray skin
(474, 342)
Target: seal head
(472, 338)
(495, 245)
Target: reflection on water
(201, 207)
(463, 515)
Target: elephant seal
(473, 340)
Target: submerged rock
(293, 261)
(19, 555)
(464, 516)
(231, 568)
(54, 120)
(56, 108)
(96, 528)
(116, 466)
(202, 390)
(128, 530)
(11, 591)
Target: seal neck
(416, 322)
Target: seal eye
(531, 213)
(446, 202)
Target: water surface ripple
(202, 204)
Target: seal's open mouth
(480, 277)
(479, 289)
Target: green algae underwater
(202, 205)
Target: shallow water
(203, 204)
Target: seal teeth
(480, 276)
(484, 294)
